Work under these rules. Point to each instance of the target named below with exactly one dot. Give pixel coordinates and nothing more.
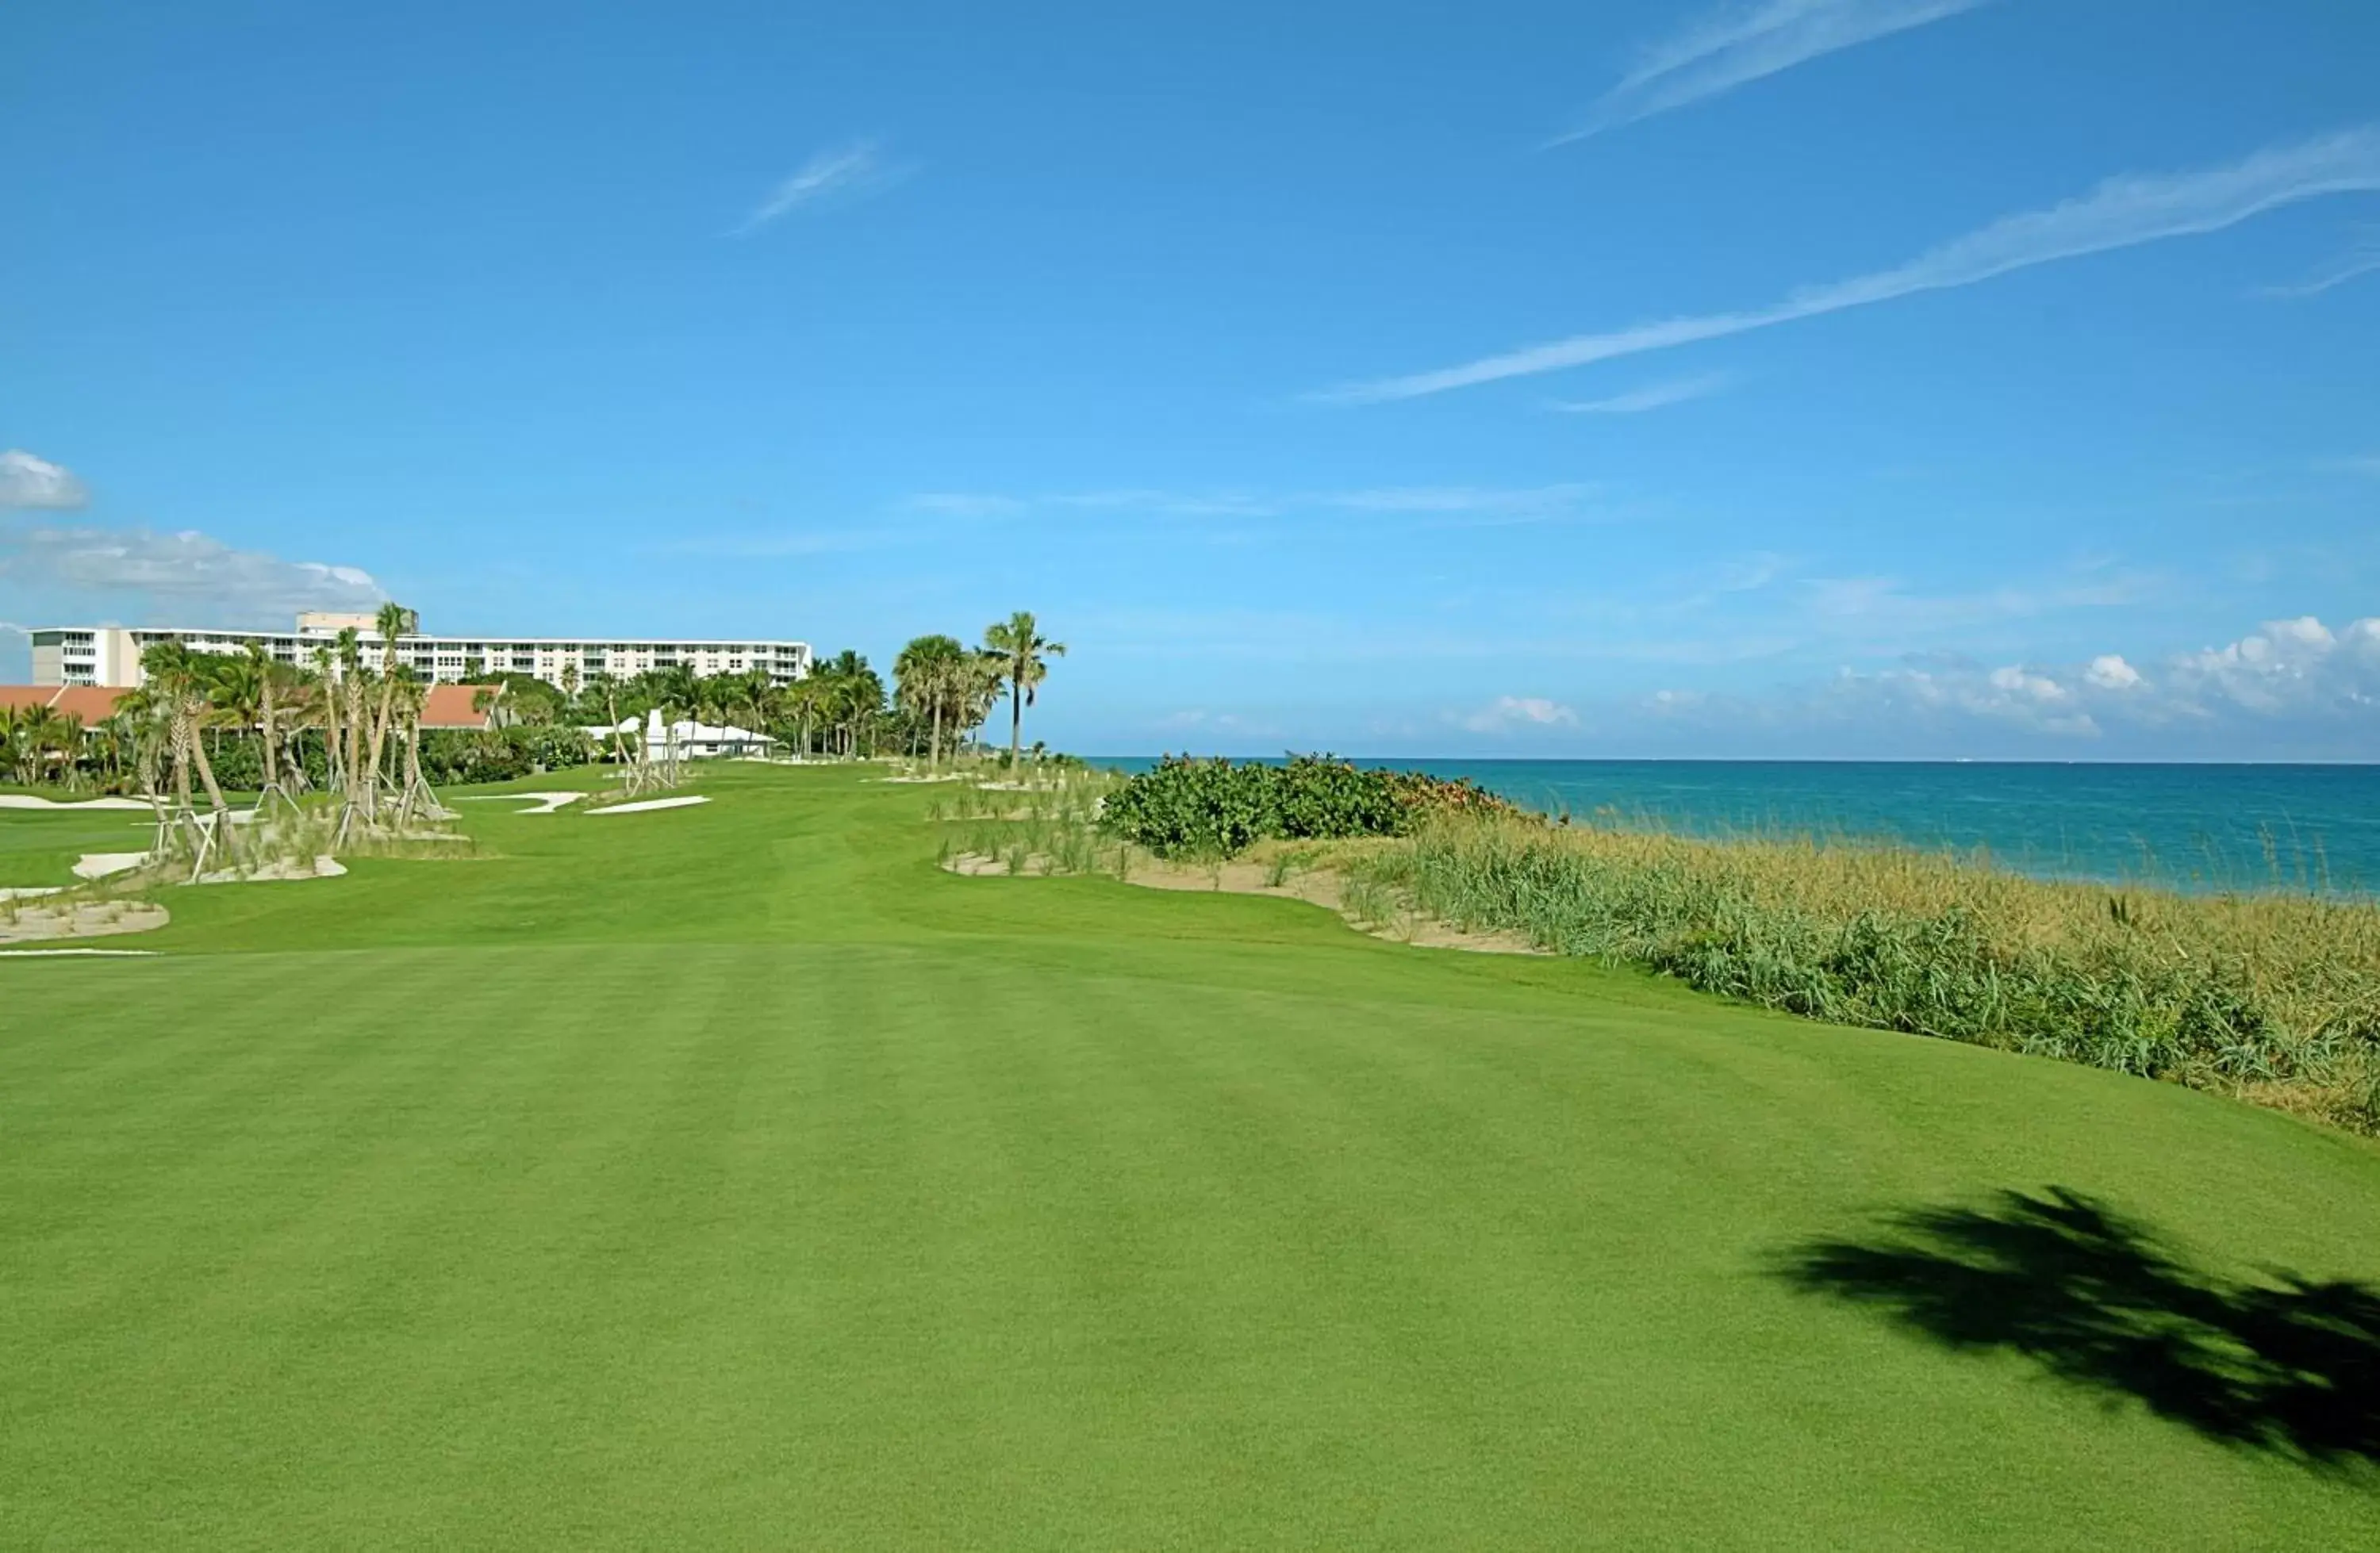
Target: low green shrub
(466, 756)
(1190, 808)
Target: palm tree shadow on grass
(2287, 1366)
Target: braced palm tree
(182, 686)
(392, 622)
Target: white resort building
(109, 655)
(690, 739)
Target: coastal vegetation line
(650, 1179)
(2269, 997)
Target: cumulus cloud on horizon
(88, 573)
(29, 482)
(1508, 714)
(2294, 680)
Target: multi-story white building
(109, 655)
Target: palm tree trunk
(412, 763)
(353, 763)
(380, 732)
(182, 740)
(215, 797)
(1015, 720)
(333, 775)
(271, 754)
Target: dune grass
(2272, 997)
(733, 1175)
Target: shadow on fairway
(2289, 1367)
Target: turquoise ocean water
(2198, 826)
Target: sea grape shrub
(1212, 808)
(1192, 807)
(1430, 797)
(1316, 798)
(461, 757)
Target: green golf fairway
(38, 850)
(733, 1175)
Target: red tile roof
(449, 706)
(92, 703)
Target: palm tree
(58, 734)
(142, 725)
(929, 674)
(16, 739)
(242, 692)
(181, 685)
(351, 713)
(326, 684)
(393, 621)
(798, 703)
(1019, 646)
(849, 694)
(677, 692)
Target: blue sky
(1799, 377)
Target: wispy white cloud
(1722, 52)
(2121, 212)
(1652, 396)
(28, 481)
(859, 167)
(1508, 714)
(83, 571)
(2361, 260)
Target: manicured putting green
(732, 1176)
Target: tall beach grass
(2273, 997)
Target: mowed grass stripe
(794, 1191)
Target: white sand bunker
(60, 954)
(538, 803)
(283, 868)
(79, 919)
(651, 804)
(1319, 887)
(99, 865)
(28, 801)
